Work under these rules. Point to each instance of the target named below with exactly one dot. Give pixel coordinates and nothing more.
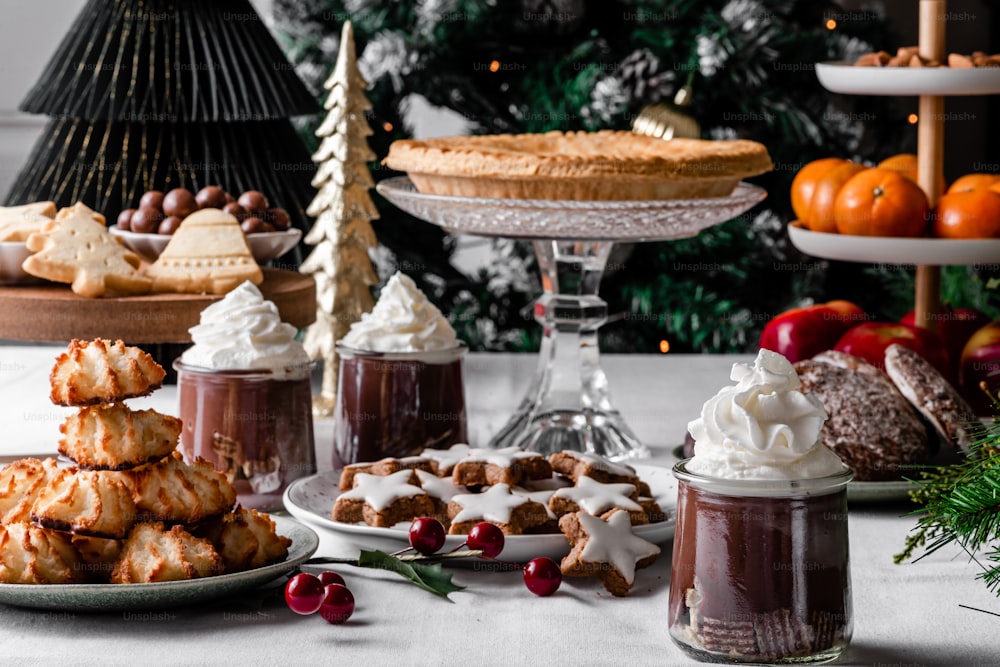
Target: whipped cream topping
(762, 428)
(243, 331)
(403, 320)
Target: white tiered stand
(931, 85)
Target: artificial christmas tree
(158, 94)
(342, 208)
(538, 65)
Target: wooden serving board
(53, 312)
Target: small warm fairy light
(912, 119)
(831, 24)
(387, 126)
(664, 346)
(495, 66)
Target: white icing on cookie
(614, 542)
(380, 491)
(602, 464)
(495, 504)
(441, 488)
(447, 458)
(595, 497)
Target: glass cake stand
(568, 404)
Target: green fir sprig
(961, 505)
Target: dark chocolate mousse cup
(760, 569)
(397, 403)
(254, 425)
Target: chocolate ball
(211, 196)
(125, 219)
(253, 225)
(279, 218)
(235, 210)
(266, 228)
(145, 220)
(254, 201)
(169, 225)
(230, 198)
(152, 199)
(179, 202)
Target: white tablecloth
(909, 614)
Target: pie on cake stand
(573, 195)
(568, 403)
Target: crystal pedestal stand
(568, 405)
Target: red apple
(849, 311)
(980, 362)
(870, 339)
(801, 333)
(956, 326)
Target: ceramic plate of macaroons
(311, 500)
(165, 594)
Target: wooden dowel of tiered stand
(930, 156)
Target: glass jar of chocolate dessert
(760, 569)
(254, 425)
(397, 403)
(246, 397)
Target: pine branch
(961, 506)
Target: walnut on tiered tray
(130, 509)
(520, 492)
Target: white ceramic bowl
(12, 255)
(264, 246)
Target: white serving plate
(311, 499)
(842, 77)
(162, 595)
(895, 250)
(264, 246)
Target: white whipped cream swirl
(762, 428)
(243, 331)
(403, 320)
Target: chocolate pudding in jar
(246, 399)
(400, 388)
(760, 569)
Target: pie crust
(605, 165)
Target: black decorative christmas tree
(159, 94)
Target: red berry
(337, 605)
(487, 538)
(426, 535)
(542, 576)
(304, 593)
(330, 577)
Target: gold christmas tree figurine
(343, 211)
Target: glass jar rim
(295, 371)
(763, 488)
(426, 356)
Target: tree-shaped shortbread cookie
(77, 248)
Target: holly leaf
(428, 577)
